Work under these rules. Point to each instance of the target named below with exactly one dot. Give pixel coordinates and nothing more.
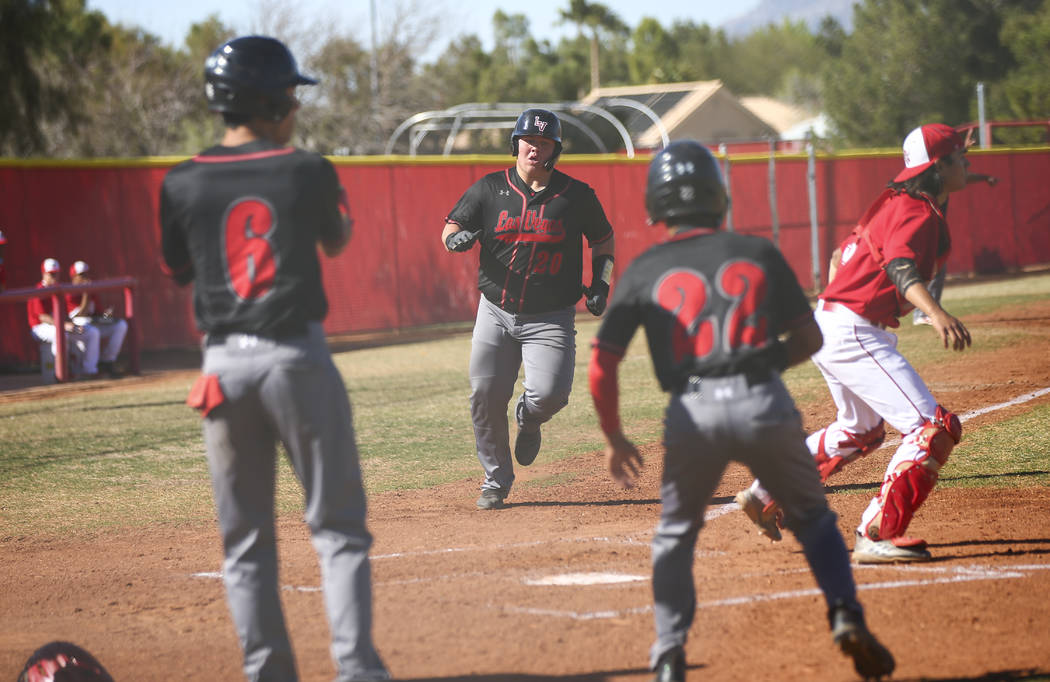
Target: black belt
(694, 382)
(277, 337)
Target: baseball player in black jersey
(714, 305)
(242, 221)
(530, 221)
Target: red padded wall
(395, 274)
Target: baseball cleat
(870, 658)
(670, 667)
(897, 550)
(527, 446)
(764, 516)
(491, 499)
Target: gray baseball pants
(291, 391)
(731, 418)
(546, 344)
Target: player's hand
(952, 331)
(461, 240)
(623, 460)
(596, 298)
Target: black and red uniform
(712, 304)
(531, 242)
(243, 223)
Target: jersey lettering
(686, 294)
(744, 284)
(249, 253)
(533, 228)
(547, 263)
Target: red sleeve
(914, 235)
(35, 307)
(605, 389)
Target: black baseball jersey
(531, 242)
(243, 223)
(712, 303)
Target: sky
(171, 20)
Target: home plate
(585, 579)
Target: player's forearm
(605, 391)
(801, 343)
(606, 248)
(450, 229)
(919, 296)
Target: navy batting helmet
(685, 186)
(250, 76)
(537, 122)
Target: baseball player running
(242, 220)
(713, 305)
(530, 221)
(877, 275)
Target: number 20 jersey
(712, 304)
(243, 223)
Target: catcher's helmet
(250, 76)
(685, 185)
(538, 122)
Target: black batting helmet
(250, 76)
(685, 186)
(538, 122)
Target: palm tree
(598, 18)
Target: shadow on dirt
(997, 676)
(641, 673)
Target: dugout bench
(58, 312)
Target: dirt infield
(462, 594)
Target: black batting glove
(461, 240)
(597, 297)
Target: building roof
(703, 110)
(780, 115)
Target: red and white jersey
(897, 226)
(73, 302)
(37, 307)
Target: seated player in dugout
(877, 275)
(84, 309)
(530, 221)
(714, 305)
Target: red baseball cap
(78, 268)
(50, 265)
(926, 145)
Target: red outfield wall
(395, 273)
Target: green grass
(100, 460)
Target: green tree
(765, 58)
(703, 53)
(1024, 92)
(655, 55)
(912, 61)
(599, 20)
(43, 46)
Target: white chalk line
(712, 513)
(957, 574)
(1019, 400)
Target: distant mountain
(775, 11)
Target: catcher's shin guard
(864, 443)
(908, 486)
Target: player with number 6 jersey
(242, 221)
